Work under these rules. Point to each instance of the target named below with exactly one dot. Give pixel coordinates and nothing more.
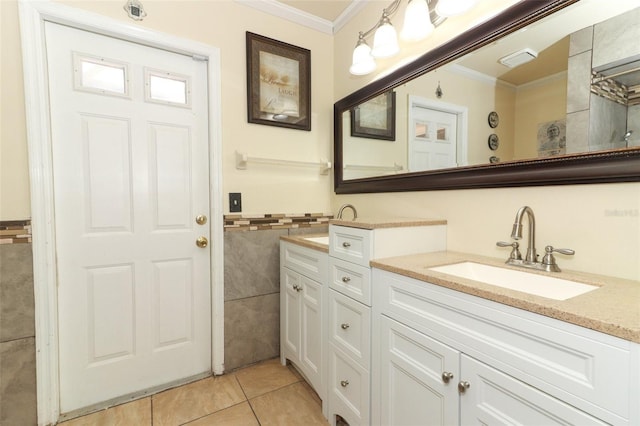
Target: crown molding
(281, 10)
(349, 13)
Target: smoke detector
(518, 58)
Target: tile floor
(264, 394)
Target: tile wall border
(262, 222)
(15, 231)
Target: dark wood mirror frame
(600, 167)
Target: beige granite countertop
(613, 309)
(301, 241)
(386, 222)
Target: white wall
(600, 222)
(265, 189)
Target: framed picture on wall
(278, 83)
(375, 118)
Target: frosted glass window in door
(167, 88)
(100, 75)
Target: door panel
(411, 371)
(130, 176)
(493, 398)
(432, 139)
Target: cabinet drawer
(587, 369)
(348, 388)
(350, 244)
(308, 262)
(350, 327)
(351, 280)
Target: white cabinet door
(290, 311)
(494, 398)
(311, 331)
(418, 378)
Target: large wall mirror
(546, 93)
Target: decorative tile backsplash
(259, 222)
(15, 231)
(19, 231)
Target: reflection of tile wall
(252, 282)
(17, 329)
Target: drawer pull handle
(446, 376)
(463, 386)
(344, 326)
(296, 287)
(346, 244)
(344, 383)
(346, 279)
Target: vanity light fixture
(362, 62)
(417, 21)
(385, 40)
(420, 19)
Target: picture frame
(375, 118)
(278, 83)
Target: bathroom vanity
(388, 338)
(325, 297)
(456, 351)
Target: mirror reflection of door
(436, 133)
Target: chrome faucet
(531, 258)
(516, 233)
(348, 206)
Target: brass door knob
(201, 219)
(202, 242)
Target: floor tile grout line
(211, 414)
(248, 401)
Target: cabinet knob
(346, 244)
(463, 385)
(344, 326)
(346, 279)
(296, 287)
(446, 376)
(344, 383)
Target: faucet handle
(550, 249)
(550, 260)
(515, 253)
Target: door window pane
(100, 75)
(169, 88)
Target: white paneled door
(432, 139)
(131, 172)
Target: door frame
(33, 15)
(462, 129)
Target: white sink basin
(319, 240)
(539, 285)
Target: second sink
(319, 240)
(536, 284)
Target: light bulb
(417, 21)
(385, 40)
(362, 62)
